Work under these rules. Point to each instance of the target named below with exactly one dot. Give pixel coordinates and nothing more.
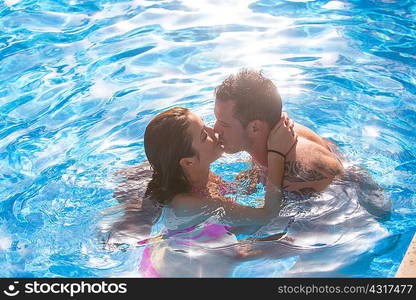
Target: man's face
(231, 132)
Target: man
(247, 107)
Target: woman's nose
(212, 133)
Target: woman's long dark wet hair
(166, 142)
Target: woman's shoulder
(186, 201)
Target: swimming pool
(79, 81)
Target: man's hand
(282, 137)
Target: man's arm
(310, 168)
(328, 164)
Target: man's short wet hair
(255, 97)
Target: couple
(248, 109)
(180, 148)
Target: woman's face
(204, 140)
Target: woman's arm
(275, 172)
(236, 214)
(229, 212)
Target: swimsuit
(211, 233)
(177, 240)
(180, 240)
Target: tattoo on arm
(298, 172)
(304, 192)
(328, 170)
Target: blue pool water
(79, 81)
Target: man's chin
(219, 155)
(230, 151)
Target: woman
(180, 149)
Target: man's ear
(255, 127)
(186, 162)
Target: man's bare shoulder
(310, 135)
(307, 151)
(316, 156)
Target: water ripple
(80, 80)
